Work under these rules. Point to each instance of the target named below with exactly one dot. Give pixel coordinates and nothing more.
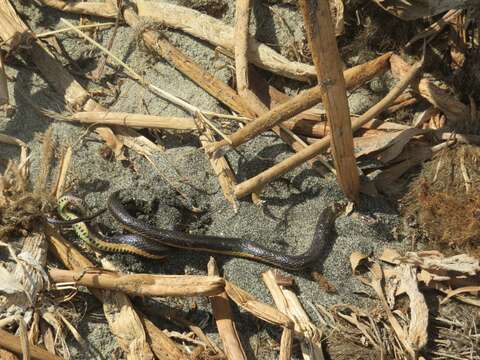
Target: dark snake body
(228, 245)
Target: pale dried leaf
(9, 284)
(465, 289)
(417, 331)
(356, 259)
(398, 143)
(437, 264)
(390, 256)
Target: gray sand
(286, 221)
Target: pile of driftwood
(30, 293)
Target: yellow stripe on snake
(126, 244)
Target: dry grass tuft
(21, 209)
(445, 200)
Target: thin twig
(241, 35)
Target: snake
(120, 243)
(231, 246)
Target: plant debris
(416, 142)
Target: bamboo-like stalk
(326, 57)
(7, 355)
(299, 103)
(263, 311)
(223, 315)
(295, 105)
(143, 284)
(13, 343)
(221, 167)
(219, 34)
(241, 35)
(65, 162)
(127, 119)
(102, 9)
(287, 301)
(286, 343)
(299, 158)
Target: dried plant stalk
(143, 284)
(288, 303)
(241, 35)
(29, 272)
(436, 27)
(224, 319)
(13, 343)
(299, 103)
(326, 57)
(220, 166)
(7, 355)
(255, 307)
(65, 162)
(102, 9)
(286, 343)
(219, 34)
(127, 119)
(296, 105)
(299, 158)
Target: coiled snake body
(149, 241)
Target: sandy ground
(286, 221)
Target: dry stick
(323, 44)
(241, 35)
(220, 166)
(7, 355)
(74, 260)
(288, 302)
(219, 34)
(263, 311)
(286, 343)
(126, 119)
(65, 161)
(13, 343)
(58, 31)
(281, 303)
(295, 105)
(103, 9)
(299, 103)
(98, 72)
(223, 315)
(143, 284)
(299, 158)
